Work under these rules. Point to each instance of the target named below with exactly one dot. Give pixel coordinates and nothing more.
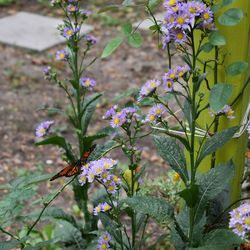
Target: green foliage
(135, 40)
(219, 239)
(215, 142)
(112, 46)
(6, 2)
(60, 142)
(9, 245)
(236, 68)
(156, 208)
(101, 150)
(211, 184)
(89, 107)
(231, 17)
(217, 39)
(171, 152)
(219, 96)
(207, 47)
(190, 195)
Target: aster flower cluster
(167, 83)
(120, 117)
(100, 170)
(181, 16)
(101, 207)
(226, 110)
(173, 75)
(240, 220)
(104, 241)
(148, 88)
(43, 128)
(155, 113)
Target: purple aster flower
(110, 112)
(97, 209)
(155, 113)
(118, 120)
(72, 8)
(129, 110)
(43, 128)
(240, 220)
(72, 1)
(103, 242)
(168, 84)
(88, 83)
(180, 71)
(148, 88)
(85, 12)
(227, 110)
(112, 187)
(170, 3)
(179, 36)
(68, 32)
(62, 55)
(105, 207)
(90, 39)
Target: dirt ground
(24, 90)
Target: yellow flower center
(176, 177)
(158, 111)
(171, 19)
(171, 2)
(206, 15)
(62, 56)
(116, 121)
(111, 188)
(172, 75)
(151, 117)
(192, 10)
(179, 37)
(88, 82)
(69, 32)
(42, 130)
(169, 84)
(153, 84)
(107, 207)
(104, 246)
(239, 228)
(180, 19)
(247, 221)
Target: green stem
(47, 204)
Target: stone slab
(32, 31)
(145, 24)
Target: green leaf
(219, 96)
(61, 142)
(236, 68)
(102, 150)
(9, 245)
(231, 17)
(217, 39)
(135, 40)
(221, 239)
(88, 111)
(112, 46)
(56, 213)
(127, 29)
(152, 4)
(226, 2)
(207, 47)
(190, 195)
(215, 142)
(171, 152)
(125, 94)
(212, 183)
(70, 235)
(155, 207)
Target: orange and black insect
(245, 246)
(75, 168)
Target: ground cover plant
(114, 194)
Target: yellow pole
(237, 48)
